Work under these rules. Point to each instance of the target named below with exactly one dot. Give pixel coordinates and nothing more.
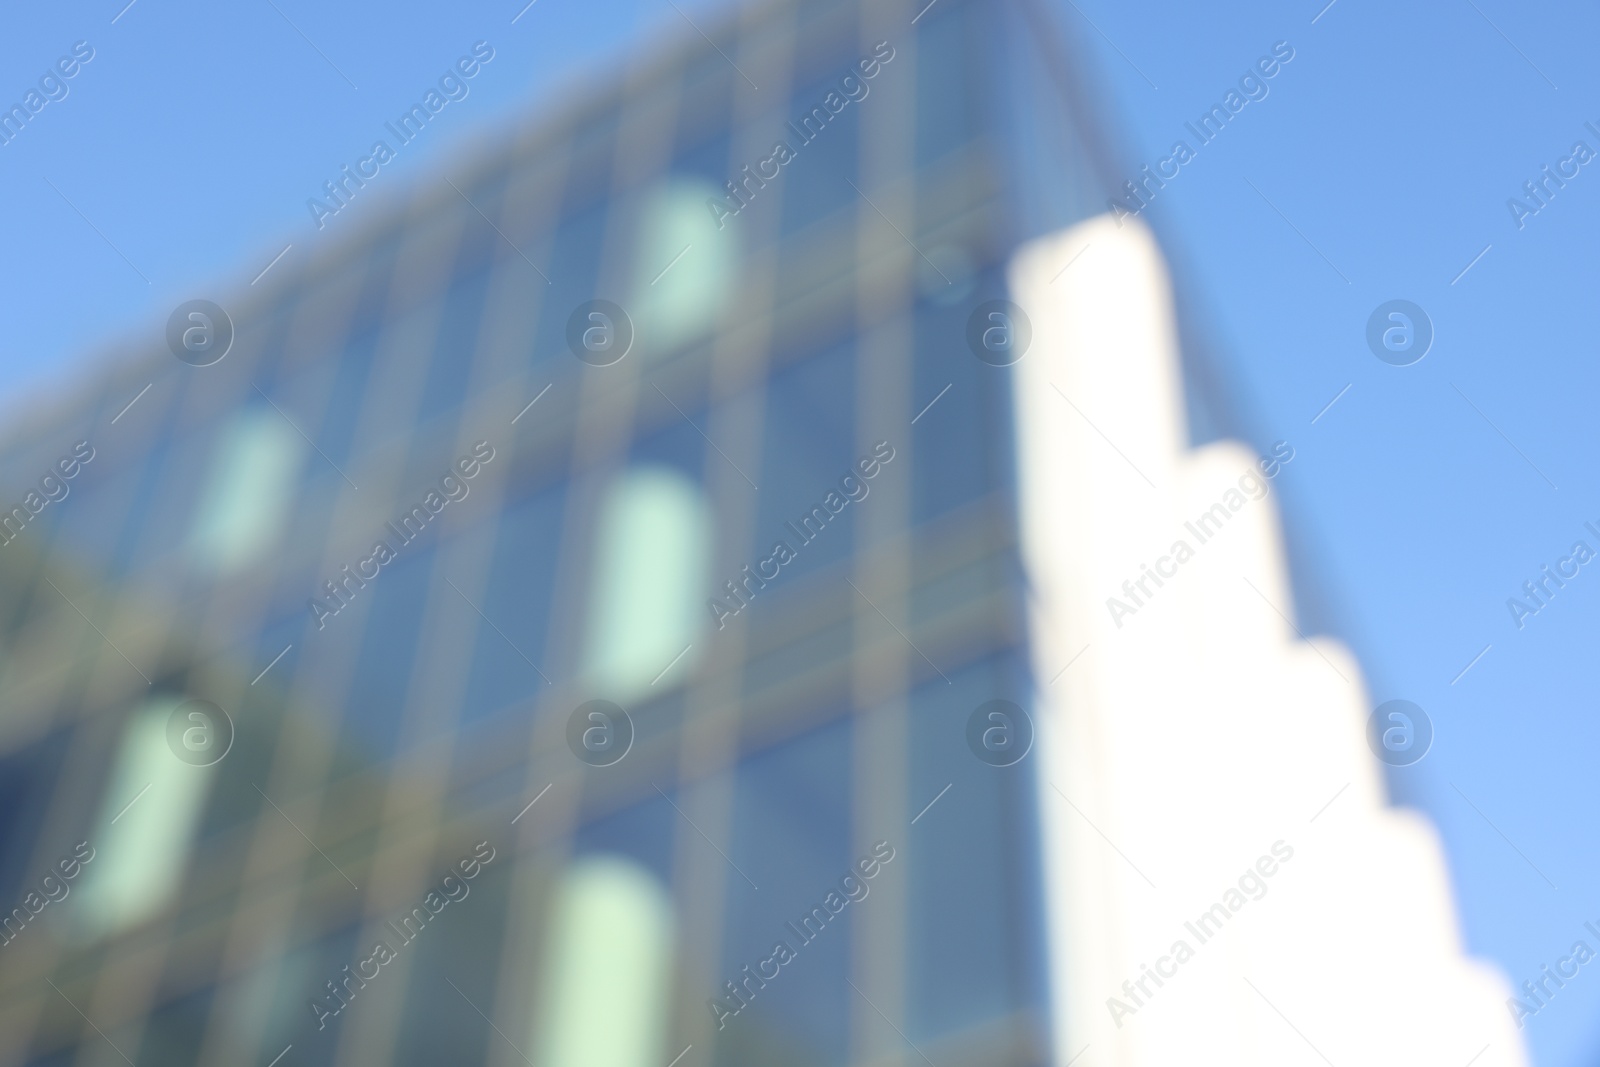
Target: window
(649, 582)
(684, 267)
(246, 501)
(147, 821)
(607, 965)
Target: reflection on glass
(246, 501)
(147, 821)
(649, 580)
(604, 994)
(684, 267)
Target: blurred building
(581, 391)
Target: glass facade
(424, 514)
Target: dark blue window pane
(589, 167)
(375, 705)
(945, 94)
(367, 317)
(963, 443)
(27, 782)
(707, 160)
(302, 975)
(174, 1031)
(575, 265)
(705, 98)
(792, 833)
(816, 183)
(679, 444)
(336, 435)
(355, 352)
(644, 833)
(970, 891)
(274, 325)
(454, 969)
(516, 601)
(455, 346)
(135, 518)
(808, 447)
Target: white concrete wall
(1187, 742)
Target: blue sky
(1378, 167)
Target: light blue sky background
(1392, 142)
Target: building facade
(789, 366)
(584, 616)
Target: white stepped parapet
(1199, 733)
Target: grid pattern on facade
(420, 709)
